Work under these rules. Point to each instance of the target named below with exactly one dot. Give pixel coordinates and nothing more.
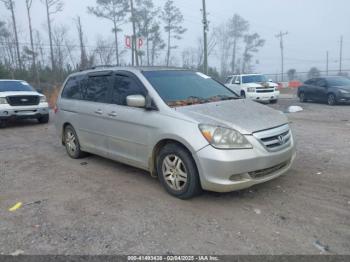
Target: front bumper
(343, 97)
(231, 170)
(263, 96)
(8, 112)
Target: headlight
(251, 89)
(43, 99)
(3, 100)
(224, 138)
(343, 91)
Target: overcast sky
(314, 27)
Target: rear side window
(71, 89)
(310, 82)
(125, 86)
(95, 89)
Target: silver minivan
(187, 129)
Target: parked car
(182, 126)
(254, 86)
(332, 90)
(19, 100)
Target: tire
(177, 172)
(44, 119)
(243, 94)
(72, 144)
(274, 101)
(302, 98)
(331, 100)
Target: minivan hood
(19, 93)
(242, 115)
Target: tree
(10, 5)
(83, 56)
(145, 14)
(223, 47)
(291, 74)
(156, 42)
(32, 51)
(52, 7)
(238, 26)
(314, 72)
(252, 44)
(172, 17)
(112, 10)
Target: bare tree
(223, 47)
(10, 5)
(52, 7)
(172, 17)
(83, 55)
(238, 26)
(115, 11)
(104, 51)
(33, 54)
(252, 44)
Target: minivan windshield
(254, 79)
(181, 88)
(8, 86)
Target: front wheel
(331, 100)
(302, 97)
(72, 144)
(274, 101)
(177, 172)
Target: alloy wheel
(174, 172)
(71, 142)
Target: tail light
(55, 109)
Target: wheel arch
(159, 145)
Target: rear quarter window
(71, 90)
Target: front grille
(265, 172)
(23, 100)
(275, 139)
(265, 90)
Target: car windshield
(181, 88)
(8, 86)
(254, 79)
(339, 81)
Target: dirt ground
(97, 206)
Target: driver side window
(125, 86)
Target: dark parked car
(333, 90)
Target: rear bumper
(231, 170)
(8, 112)
(263, 96)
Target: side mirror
(40, 91)
(136, 101)
(270, 80)
(237, 82)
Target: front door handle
(99, 112)
(113, 114)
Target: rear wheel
(331, 100)
(44, 119)
(177, 172)
(72, 144)
(2, 123)
(302, 97)
(243, 94)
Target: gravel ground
(97, 206)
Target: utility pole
(327, 63)
(280, 36)
(133, 41)
(205, 38)
(341, 55)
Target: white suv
(18, 100)
(254, 86)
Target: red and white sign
(128, 42)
